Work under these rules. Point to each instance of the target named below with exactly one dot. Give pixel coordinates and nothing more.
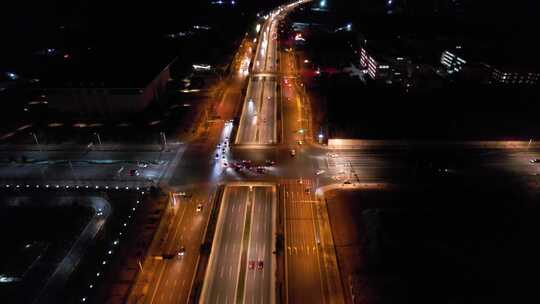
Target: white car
(293, 152)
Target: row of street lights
(111, 249)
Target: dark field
(34, 240)
(461, 241)
(354, 110)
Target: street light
(36, 140)
(98, 138)
(164, 138)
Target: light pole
(164, 139)
(98, 138)
(36, 140)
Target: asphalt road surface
(258, 120)
(78, 167)
(242, 264)
(259, 282)
(169, 279)
(307, 273)
(223, 270)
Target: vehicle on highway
(300, 142)
(260, 170)
(134, 172)
(251, 264)
(199, 207)
(180, 253)
(217, 156)
(142, 165)
(270, 162)
(319, 172)
(535, 161)
(225, 165)
(260, 265)
(293, 152)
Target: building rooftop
(119, 65)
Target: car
(260, 265)
(217, 156)
(168, 256)
(134, 172)
(218, 146)
(300, 142)
(225, 165)
(199, 207)
(293, 152)
(319, 172)
(182, 251)
(260, 170)
(270, 162)
(535, 161)
(251, 264)
(223, 156)
(142, 165)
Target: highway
(260, 283)
(103, 168)
(259, 112)
(245, 229)
(223, 270)
(241, 267)
(303, 266)
(169, 280)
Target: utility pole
(98, 138)
(36, 140)
(164, 139)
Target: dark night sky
(23, 24)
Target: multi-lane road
(258, 120)
(169, 269)
(242, 263)
(241, 267)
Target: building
(452, 61)
(513, 75)
(425, 8)
(496, 66)
(103, 82)
(377, 69)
